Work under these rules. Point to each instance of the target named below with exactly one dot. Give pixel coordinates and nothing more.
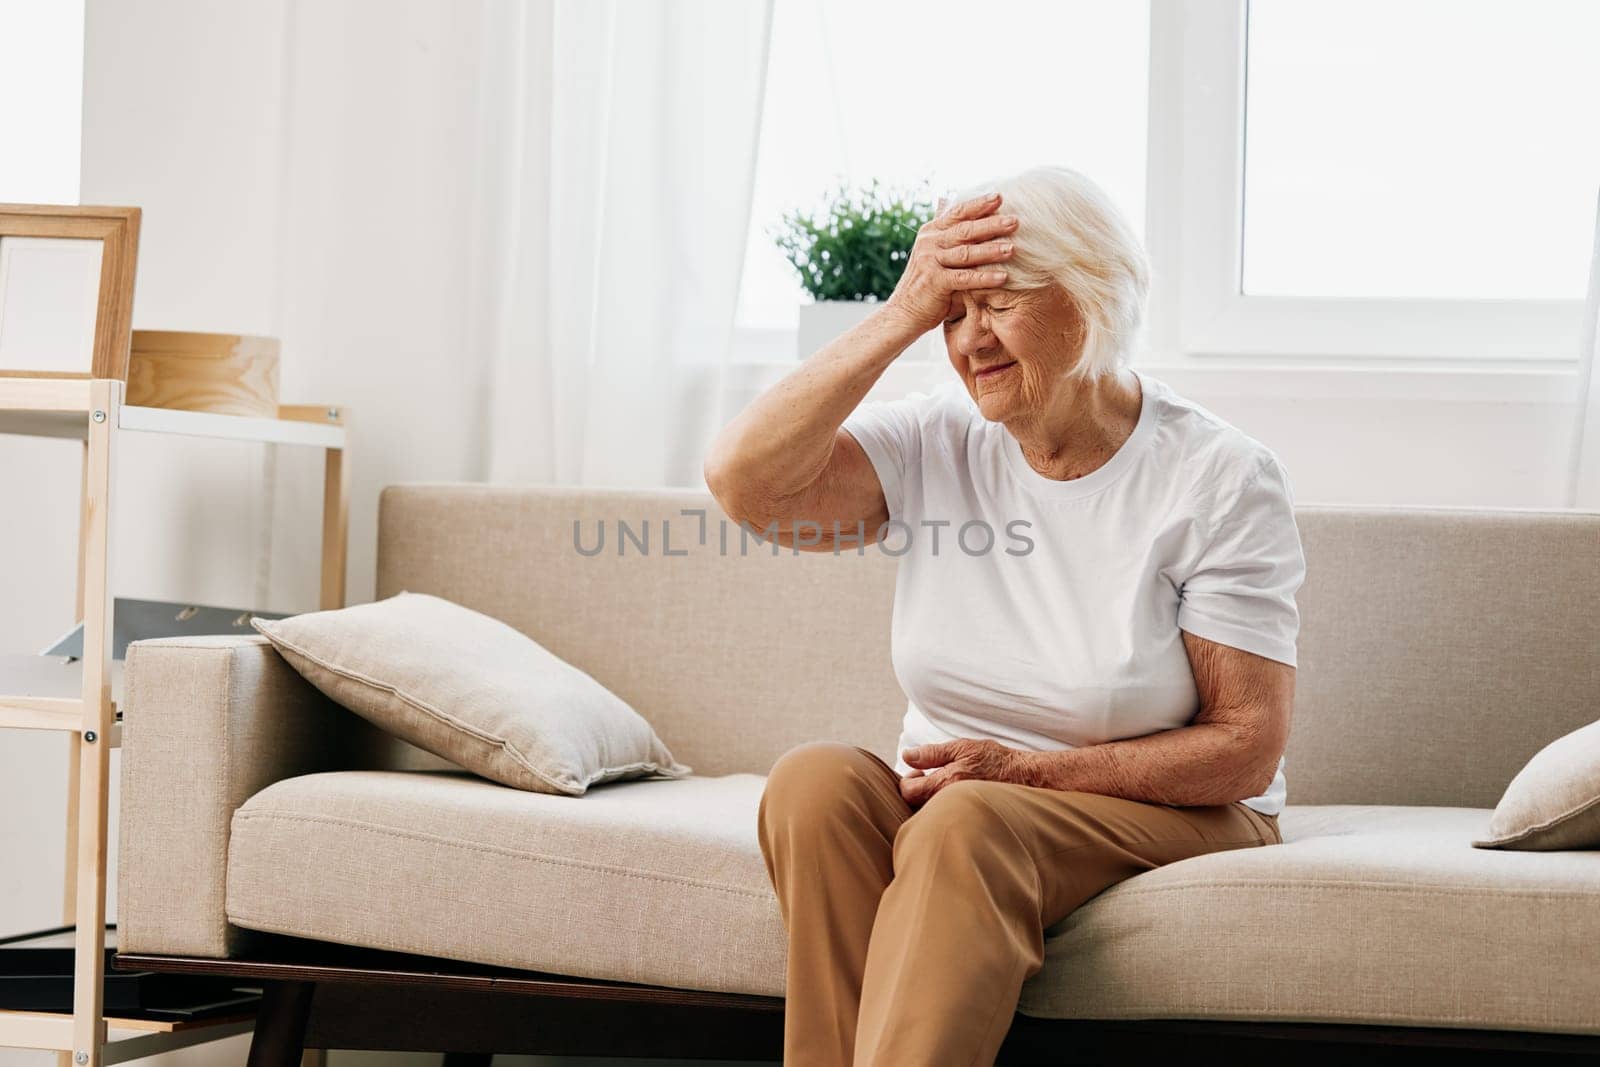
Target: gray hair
(1070, 234)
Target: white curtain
(613, 209)
(1583, 483)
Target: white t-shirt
(1045, 614)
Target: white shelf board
(75, 424)
(233, 427)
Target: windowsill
(1353, 378)
(1357, 378)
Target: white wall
(307, 171)
(1351, 441)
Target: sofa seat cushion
(1363, 914)
(657, 881)
(1382, 915)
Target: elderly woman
(1108, 692)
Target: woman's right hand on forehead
(961, 248)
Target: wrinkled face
(1013, 347)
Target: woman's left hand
(935, 766)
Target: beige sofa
(1440, 648)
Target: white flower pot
(824, 320)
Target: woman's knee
(813, 777)
(812, 759)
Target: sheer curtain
(1583, 483)
(613, 207)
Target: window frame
(1203, 333)
(1198, 76)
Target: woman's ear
(1076, 328)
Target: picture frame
(49, 271)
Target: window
(1354, 246)
(41, 101)
(1443, 149)
(1404, 183)
(941, 91)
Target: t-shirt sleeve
(890, 433)
(1241, 591)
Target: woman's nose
(973, 338)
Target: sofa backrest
(1439, 647)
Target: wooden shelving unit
(89, 407)
(91, 410)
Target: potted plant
(849, 256)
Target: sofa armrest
(207, 723)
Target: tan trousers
(911, 934)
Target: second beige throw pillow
(1553, 803)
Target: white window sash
(1196, 212)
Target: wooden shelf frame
(91, 410)
(85, 403)
(40, 713)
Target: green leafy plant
(855, 247)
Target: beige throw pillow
(474, 691)
(1553, 803)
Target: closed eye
(992, 309)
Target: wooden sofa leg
(280, 1034)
